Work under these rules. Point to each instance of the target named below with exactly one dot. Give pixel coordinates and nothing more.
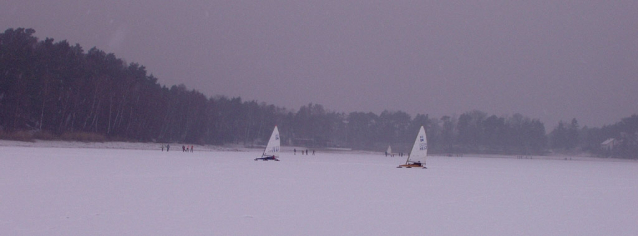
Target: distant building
(609, 144)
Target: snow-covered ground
(61, 189)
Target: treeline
(53, 87)
(472, 132)
(618, 140)
(56, 90)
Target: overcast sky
(545, 59)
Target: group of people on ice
(303, 152)
(392, 154)
(185, 148)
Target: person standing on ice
(162, 147)
(191, 148)
(168, 146)
(294, 151)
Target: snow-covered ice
(57, 190)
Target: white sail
(272, 148)
(420, 149)
(389, 151)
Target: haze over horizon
(544, 59)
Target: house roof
(608, 141)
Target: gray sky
(544, 59)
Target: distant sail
(389, 151)
(272, 149)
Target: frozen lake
(108, 191)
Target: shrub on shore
(83, 137)
(30, 136)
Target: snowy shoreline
(111, 145)
(285, 149)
